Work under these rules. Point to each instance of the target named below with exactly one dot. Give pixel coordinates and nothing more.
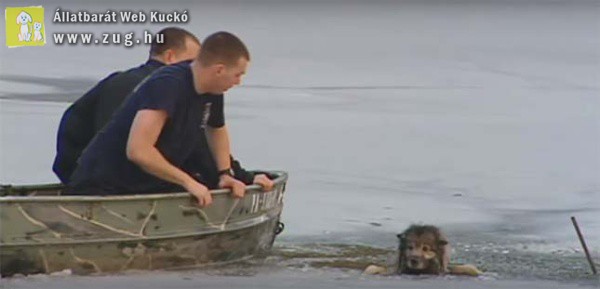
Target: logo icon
(25, 26)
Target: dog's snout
(414, 262)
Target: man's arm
(248, 177)
(240, 173)
(141, 150)
(218, 141)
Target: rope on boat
(115, 214)
(150, 214)
(76, 216)
(203, 215)
(36, 222)
(85, 262)
(44, 260)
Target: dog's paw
(467, 269)
(375, 270)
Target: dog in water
(423, 249)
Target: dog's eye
(426, 248)
(410, 247)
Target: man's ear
(219, 68)
(169, 56)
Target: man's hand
(263, 181)
(237, 188)
(201, 193)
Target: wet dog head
(422, 250)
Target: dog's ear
(401, 258)
(401, 241)
(442, 242)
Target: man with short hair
(86, 116)
(147, 145)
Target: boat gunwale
(281, 178)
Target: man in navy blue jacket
(89, 114)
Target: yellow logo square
(25, 26)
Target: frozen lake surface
(481, 117)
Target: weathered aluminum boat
(43, 232)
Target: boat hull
(92, 234)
